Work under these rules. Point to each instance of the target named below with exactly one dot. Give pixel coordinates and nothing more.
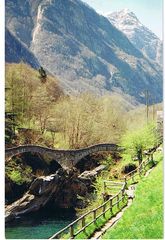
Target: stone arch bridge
(66, 158)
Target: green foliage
(135, 142)
(144, 218)
(18, 172)
(16, 177)
(99, 189)
(115, 170)
(101, 221)
(109, 161)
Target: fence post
(104, 206)
(152, 158)
(117, 201)
(94, 216)
(133, 177)
(83, 222)
(123, 193)
(142, 169)
(71, 232)
(125, 180)
(111, 207)
(104, 187)
(145, 167)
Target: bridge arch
(66, 158)
(40, 164)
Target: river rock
(92, 174)
(44, 185)
(88, 177)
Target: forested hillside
(44, 114)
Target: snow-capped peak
(143, 39)
(125, 11)
(124, 18)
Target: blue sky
(149, 12)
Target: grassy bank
(144, 219)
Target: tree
(43, 75)
(21, 85)
(28, 103)
(41, 108)
(113, 124)
(135, 142)
(74, 118)
(86, 119)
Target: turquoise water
(40, 226)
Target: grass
(144, 218)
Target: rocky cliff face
(82, 48)
(140, 36)
(16, 52)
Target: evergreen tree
(43, 75)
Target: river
(40, 225)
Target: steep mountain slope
(138, 34)
(16, 52)
(83, 49)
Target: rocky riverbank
(63, 189)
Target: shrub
(128, 168)
(16, 177)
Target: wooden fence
(140, 170)
(93, 214)
(108, 205)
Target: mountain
(82, 48)
(16, 52)
(141, 37)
